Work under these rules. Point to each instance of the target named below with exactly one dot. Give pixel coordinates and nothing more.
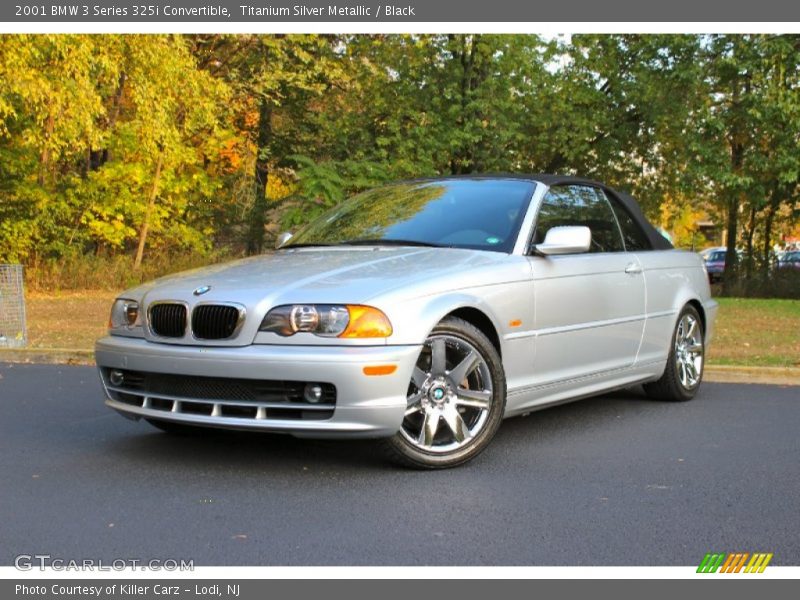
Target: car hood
(385, 277)
(324, 275)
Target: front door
(590, 307)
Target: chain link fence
(13, 333)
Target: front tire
(684, 370)
(456, 399)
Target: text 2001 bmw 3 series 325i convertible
(422, 312)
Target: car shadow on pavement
(243, 450)
(259, 451)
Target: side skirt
(537, 397)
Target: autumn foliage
(173, 149)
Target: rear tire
(456, 399)
(684, 371)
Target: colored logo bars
(735, 562)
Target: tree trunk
(151, 204)
(255, 238)
(751, 228)
(730, 255)
(44, 157)
(731, 258)
(97, 158)
(461, 162)
(771, 210)
(736, 141)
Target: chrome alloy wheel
(449, 396)
(689, 351)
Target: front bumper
(366, 406)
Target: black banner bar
(184, 589)
(452, 11)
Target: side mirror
(283, 238)
(565, 240)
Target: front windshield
(483, 214)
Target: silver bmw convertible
(422, 313)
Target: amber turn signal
(380, 370)
(366, 322)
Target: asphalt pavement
(615, 480)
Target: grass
(71, 320)
(751, 332)
(757, 332)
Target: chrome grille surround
(167, 318)
(217, 320)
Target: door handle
(633, 268)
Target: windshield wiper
(364, 242)
(309, 245)
(381, 242)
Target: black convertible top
(657, 241)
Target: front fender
(414, 319)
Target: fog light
(116, 377)
(313, 393)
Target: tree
(749, 144)
(275, 77)
(51, 90)
(110, 136)
(139, 146)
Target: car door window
(633, 236)
(566, 205)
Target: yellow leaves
(280, 186)
(230, 152)
(113, 233)
(682, 220)
(250, 117)
(54, 81)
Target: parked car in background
(789, 260)
(424, 313)
(704, 254)
(715, 265)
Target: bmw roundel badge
(201, 290)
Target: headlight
(327, 320)
(124, 314)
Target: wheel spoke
(414, 403)
(691, 373)
(474, 398)
(429, 427)
(697, 365)
(464, 368)
(456, 424)
(438, 356)
(418, 376)
(692, 326)
(695, 347)
(682, 372)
